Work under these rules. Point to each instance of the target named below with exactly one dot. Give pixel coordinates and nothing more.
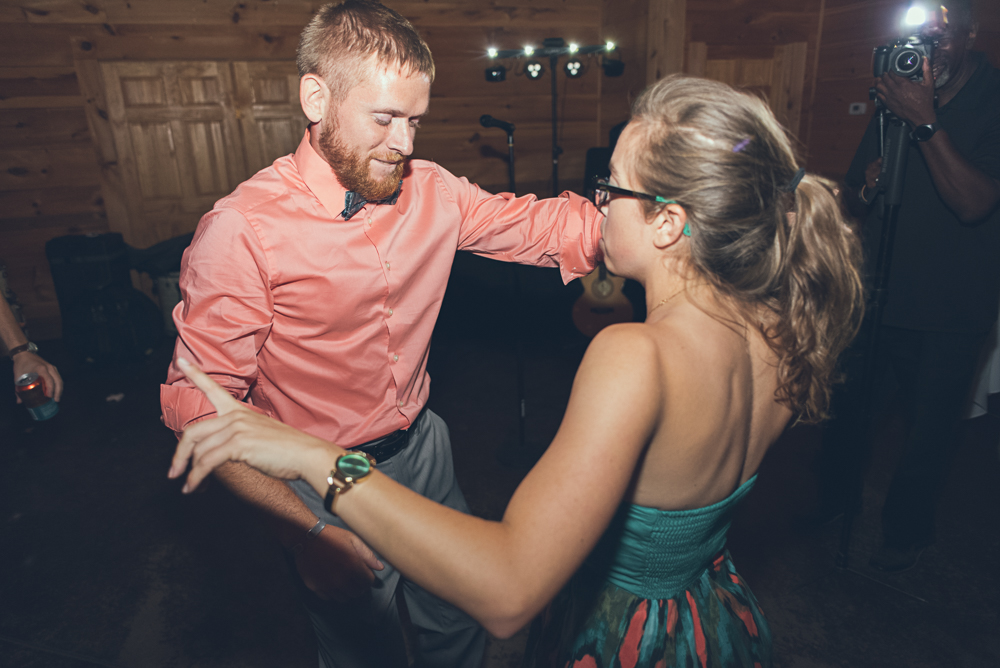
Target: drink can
(31, 390)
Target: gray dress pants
(366, 633)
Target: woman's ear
(669, 225)
(314, 97)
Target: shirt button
(386, 264)
(369, 221)
(395, 358)
(400, 403)
(389, 311)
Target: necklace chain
(664, 301)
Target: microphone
(488, 121)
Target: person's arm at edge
(503, 573)
(26, 362)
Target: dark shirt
(945, 274)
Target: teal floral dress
(659, 590)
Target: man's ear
(314, 97)
(973, 31)
(669, 224)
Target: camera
(904, 57)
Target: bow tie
(354, 202)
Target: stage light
(609, 46)
(613, 68)
(492, 52)
(534, 70)
(573, 47)
(529, 50)
(573, 68)
(496, 73)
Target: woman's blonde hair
(339, 41)
(762, 233)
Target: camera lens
(906, 62)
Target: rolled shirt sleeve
(224, 317)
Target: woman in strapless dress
(617, 535)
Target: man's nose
(401, 136)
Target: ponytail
(775, 241)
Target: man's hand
(337, 565)
(871, 175)
(912, 101)
(30, 362)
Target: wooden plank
(51, 201)
(665, 41)
(54, 11)
(36, 127)
(51, 166)
(786, 97)
(21, 82)
(696, 58)
(38, 45)
(190, 42)
(42, 102)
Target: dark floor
(103, 562)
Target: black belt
(385, 447)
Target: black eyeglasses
(603, 191)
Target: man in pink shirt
(312, 291)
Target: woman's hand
(241, 435)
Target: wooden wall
(54, 162)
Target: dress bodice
(656, 553)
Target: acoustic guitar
(602, 303)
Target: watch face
(923, 132)
(354, 465)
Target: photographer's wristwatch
(348, 470)
(924, 132)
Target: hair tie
(794, 183)
(741, 145)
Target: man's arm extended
(25, 361)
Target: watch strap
(28, 347)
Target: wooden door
(267, 106)
(178, 144)
(779, 79)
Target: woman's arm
(501, 573)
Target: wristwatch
(28, 347)
(925, 132)
(348, 470)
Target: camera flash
(492, 52)
(915, 16)
(529, 50)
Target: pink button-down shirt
(325, 324)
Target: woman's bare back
(719, 412)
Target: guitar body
(602, 303)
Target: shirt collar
(319, 177)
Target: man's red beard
(353, 170)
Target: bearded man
(311, 292)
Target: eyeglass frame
(602, 185)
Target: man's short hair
(341, 38)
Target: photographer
(944, 280)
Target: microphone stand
(520, 456)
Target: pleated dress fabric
(659, 590)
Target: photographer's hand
(912, 101)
